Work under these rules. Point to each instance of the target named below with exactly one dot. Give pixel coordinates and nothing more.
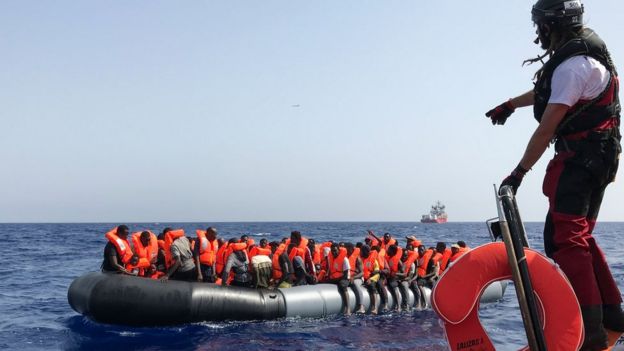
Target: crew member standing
(575, 101)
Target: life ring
(455, 298)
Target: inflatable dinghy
(129, 300)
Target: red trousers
(575, 183)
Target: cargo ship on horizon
(436, 215)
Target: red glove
(500, 113)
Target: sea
(39, 261)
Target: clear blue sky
(183, 111)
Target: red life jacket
(207, 249)
(423, 262)
(368, 264)
(170, 237)
(335, 264)
(121, 245)
(393, 262)
(445, 259)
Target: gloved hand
(515, 178)
(500, 113)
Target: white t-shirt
(578, 78)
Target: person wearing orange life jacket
(384, 243)
(422, 264)
(206, 249)
(282, 267)
(455, 254)
(261, 249)
(302, 277)
(117, 252)
(305, 253)
(415, 243)
(182, 265)
(370, 275)
(433, 268)
(356, 271)
(395, 272)
(446, 255)
(238, 262)
(315, 251)
(146, 248)
(409, 260)
(338, 272)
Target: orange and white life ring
(456, 295)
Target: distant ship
(436, 215)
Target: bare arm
(526, 99)
(553, 115)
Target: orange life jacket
(220, 260)
(121, 245)
(353, 262)
(388, 244)
(142, 266)
(393, 262)
(445, 259)
(368, 264)
(207, 249)
(411, 258)
(381, 258)
(436, 259)
(335, 264)
(316, 255)
(170, 237)
(277, 269)
(149, 252)
(423, 262)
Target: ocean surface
(39, 261)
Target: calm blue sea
(39, 261)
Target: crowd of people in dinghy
(376, 263)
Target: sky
(143, 111)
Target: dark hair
(461, 243)
(232, 241)
(121, 228)
(263, 240)
(349, 246)
(441, 245)
(166, 230)
(145, 234)
(295, 234)
(359, 244)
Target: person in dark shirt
(112, 262)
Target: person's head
(387, 237)
(243, 238)
(311, 244)
(461, 243)
(392, 250)
(368, 241)
(421, 250)
(134, 260)
(554, 19)
(221, 241)
(211, 233)
(145, 238)
(404, 255)
(122, 231)
(454, 249)
(232, 241)
(274, 245)
(284, 240)
(440, 247)
(350, 248)
(165, 231)
(295, 237)
(409, 247)
(335, 250)
(365, 251)
(264, 243)
(359, 244)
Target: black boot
(595, 333)
(613, 317)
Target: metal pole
(520, 273)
